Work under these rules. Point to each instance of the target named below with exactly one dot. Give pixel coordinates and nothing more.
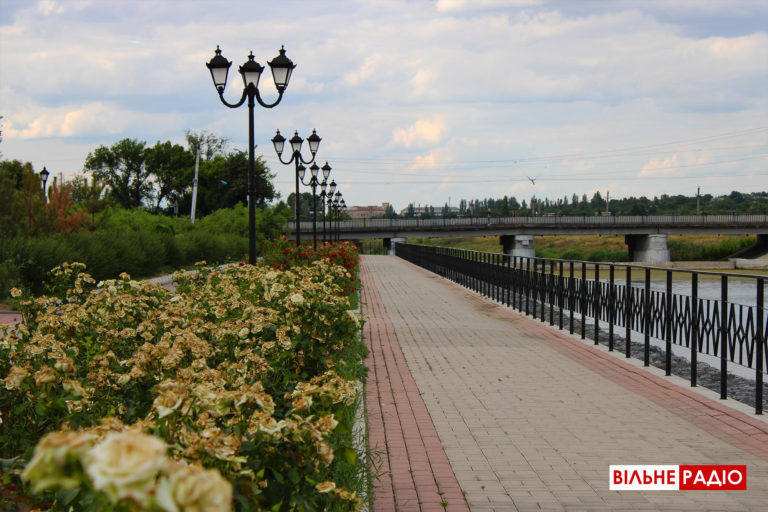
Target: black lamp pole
(313, 183)
(328, 195)
(336, 210)
(314, 142)
(323, 188)
(332, 210)
(342, 209)
(44, 175)
(282, 68)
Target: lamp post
(44, 176)
(342, 209)
(313, 169)
(327, 195)
(332, 208)
(336, 210)
(282, 68)
(314, 142)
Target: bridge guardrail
(721, 328)
(587, 220)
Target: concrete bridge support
(648, 248)
(518, 245)
(389, 244)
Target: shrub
(136, 242)
(237, 386)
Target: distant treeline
(736, 202)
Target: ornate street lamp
(333, 206)
(314, 143)
(44, 176)
(282, 68)
(327, 192)
(337, 210)
(313, 169)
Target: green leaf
(350, 456)
(68, 496)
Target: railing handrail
(750, 219)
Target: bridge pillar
(518, 245)
(647, 248)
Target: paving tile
(529, 417)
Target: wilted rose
(125, 464)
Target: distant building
(418, 211)
(367, 212)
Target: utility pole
(608, 201)
(698, 200)
(194, 186)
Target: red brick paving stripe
(415, 472)
(732, 426)
(9, 318)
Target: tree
(223, 183)
(305, 205)
(65, 216)
(90, 196)
(208, 143)
(597, 203)
(21, 199)
(505, 207)
(171, 167)
(410, 212)
(389, 212)
(121, 167)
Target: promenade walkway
(9, 318)
(473, 406)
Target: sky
(423, 101)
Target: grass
(604, 247)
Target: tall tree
(208, 143)
(171, 167)
(505, 207)
(121, 167)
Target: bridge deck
(529, 418)
(573, 225)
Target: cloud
(96, 119)
(657, 166)
(428, 161)
(422, 132)
(473, 5)
(399, 85)
(48, 7)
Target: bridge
(646, 235)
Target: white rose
(125, 464)
(297, 298)
(50, 466)
(194, 489)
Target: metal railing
(726, 330)
(745, 220)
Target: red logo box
(713, 478)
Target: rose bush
(235, 390)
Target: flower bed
(235, 391)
